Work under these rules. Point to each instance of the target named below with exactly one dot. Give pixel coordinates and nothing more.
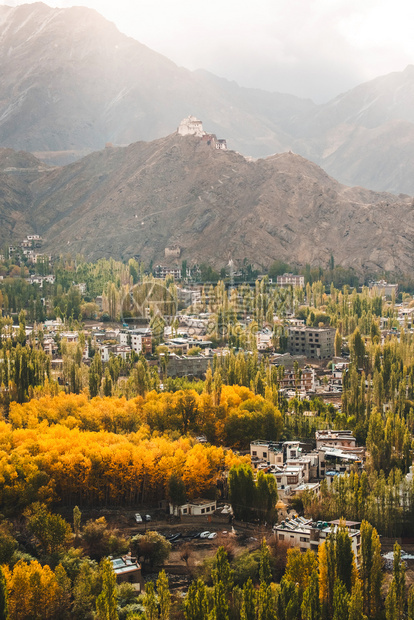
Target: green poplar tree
(410, 604)
(356, 602)
(164, 596)
(220, 609)
(77, 515)
(106, 603)
(4, 611)
(248, 606)
(222, 572)
(391, 604)
(150, 602)
(340, 601)
(311, 609)
(344, 557)
(195, 604)
(265, 571)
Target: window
(265, 455)
(184, 511)
(281, 537)
(202, 511)
(304, 539)
(254, 453)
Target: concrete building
(268, 452)
(162, 271)
(127, 569)
(328, 437)
(139, 339)
(305, 534)
(384, 288)
(198, 507)
(312, 342)
(289, 279)
(188, 366)
(304, 381)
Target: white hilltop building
(191, 126)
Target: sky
(310, 48)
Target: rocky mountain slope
(71, 82)
(214, 205)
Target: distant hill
(70, 82)
(214, 205)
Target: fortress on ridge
(191, 126)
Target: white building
(268, 451)
(191, 126)
(198, 507)
(303, 533)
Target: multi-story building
(269, 452)
(305, 534)
(303, 380)
(328, 437)
(312, 342)
(139, 339)
(384, 288)
(289, 279)
(162, 271)
(188, 366)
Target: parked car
(138, 517)
(205, 534)
(147, 518)
(212, 535)
(175, 537)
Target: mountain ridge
(214, 205)
(70, 82)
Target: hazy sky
(310, 48)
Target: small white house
(198, 507)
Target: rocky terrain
(213, 204)
(70, 82)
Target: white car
(138, 517)
(205, 534)
(212, 535)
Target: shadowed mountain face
(71, 82)
(178, 191)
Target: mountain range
(212, 205)
(70, 82)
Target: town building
(303, 380)
(161, 271)
(289, 279)
(312, 342)
(305, 534)
(139, 339)
(268, 452)
(198, 507)
(384, 288)
(127, 569)
(188, 366)
(328, 437)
